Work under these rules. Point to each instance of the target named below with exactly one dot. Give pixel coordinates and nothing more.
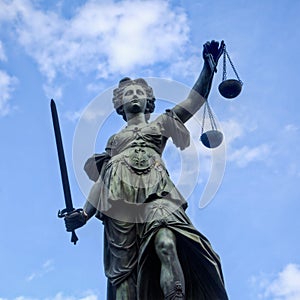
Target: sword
(63, 170)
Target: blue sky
(74, 51)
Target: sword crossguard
(65, 212)
(62, 213)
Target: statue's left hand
(215, 49)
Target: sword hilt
(65, 212)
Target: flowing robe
(136, 199)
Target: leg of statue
(171, 276)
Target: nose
(135, 95)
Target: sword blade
(61, 158)
(63, 169)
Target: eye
(140, 92)
(128, 93)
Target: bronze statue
(151, 250)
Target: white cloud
(7, 85)
(46, 267)
(73, 116)
(184, 66)
(24, 298)
(284, 286)
(88, 295)
(291, 128)
(96, 88)
(52, 91)
(233, 129)
(2, 56)
(31, 277)
(61, 296)
(8, 11)
(105, 38)
(242, 156)
(245, 155)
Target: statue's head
(119, 91)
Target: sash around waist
(139, 158)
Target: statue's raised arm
(200, 91)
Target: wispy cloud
(7, 86)
(52, 91)
(233, 130)
(104, 38)
(244, 155)
(283, 286)
(292, 128)
(73, 116)
(46, 267)
(24, 298)
(85, 296)
(88, 295)
(2, 53)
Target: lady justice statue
(151, 249)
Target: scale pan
(230, 88)
(212, 138)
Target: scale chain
(203, 118)
(233, 67)
(211, 118)
(224, 64)
(207, 110)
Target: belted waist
(144, 144)
(139, 157)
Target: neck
(136, 119)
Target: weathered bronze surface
(230, 88)
(212, 138)
(152, 250)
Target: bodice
(153, 135)
(141, 147)
(148, 137)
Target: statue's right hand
(215, 49)
(75, 220)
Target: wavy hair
(118, 96)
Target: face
(134, 99)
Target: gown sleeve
(95, 163)
(173, 127)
